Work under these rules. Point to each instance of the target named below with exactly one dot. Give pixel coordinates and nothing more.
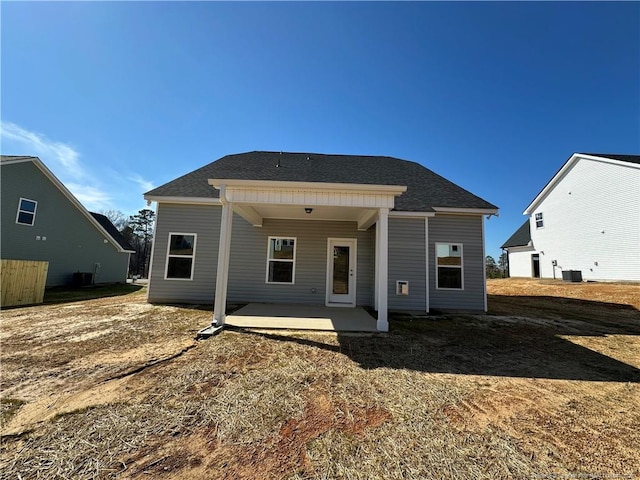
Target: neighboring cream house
(587, 219)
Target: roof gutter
(467, 211)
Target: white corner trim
(426, 260)
(484, 266)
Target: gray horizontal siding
(73, 243)
(407, 262)
(247, 269)
(466, 230)
(249, 261)
(203, 220)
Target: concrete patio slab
(302, 317)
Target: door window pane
(341, 270)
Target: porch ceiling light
(308, 210)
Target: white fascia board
(402, 214)
(49, 174)
(467, 211)
(18, 159)
(186, 200)
(339, 187)
(551, 184)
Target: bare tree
(117, 218)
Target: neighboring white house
(587, 218)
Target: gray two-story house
(307, 229)
(42, 220)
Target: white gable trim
(49, 174)
(576, 157)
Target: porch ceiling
(255, 200)
(298, 212)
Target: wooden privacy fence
(22, 282)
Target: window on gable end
(26, 212)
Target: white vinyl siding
(591, 222)
(520, 262)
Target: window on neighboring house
(26, 211)
(449, 266)
(181, 254)
(539, 220)
(281, 260)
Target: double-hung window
(181, 254)
(539, 220)
(281, 260)
(449, 266)
(26, 211)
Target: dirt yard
(545, 386)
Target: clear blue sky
(119, 97)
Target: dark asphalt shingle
(425, 189)
(520, 238)
(111, 230)
(615, 156)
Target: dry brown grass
(117, 388)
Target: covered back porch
(256, 201)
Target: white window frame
(541, 220)
(20, 210)
(461, 266)
(293, 273)
(192, 257)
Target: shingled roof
(112, 230)
(425, 189)
(520, 238)
(615, 156)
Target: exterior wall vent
(402, 287)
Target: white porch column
(224, 249)
(377, 268)
(382, 261)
